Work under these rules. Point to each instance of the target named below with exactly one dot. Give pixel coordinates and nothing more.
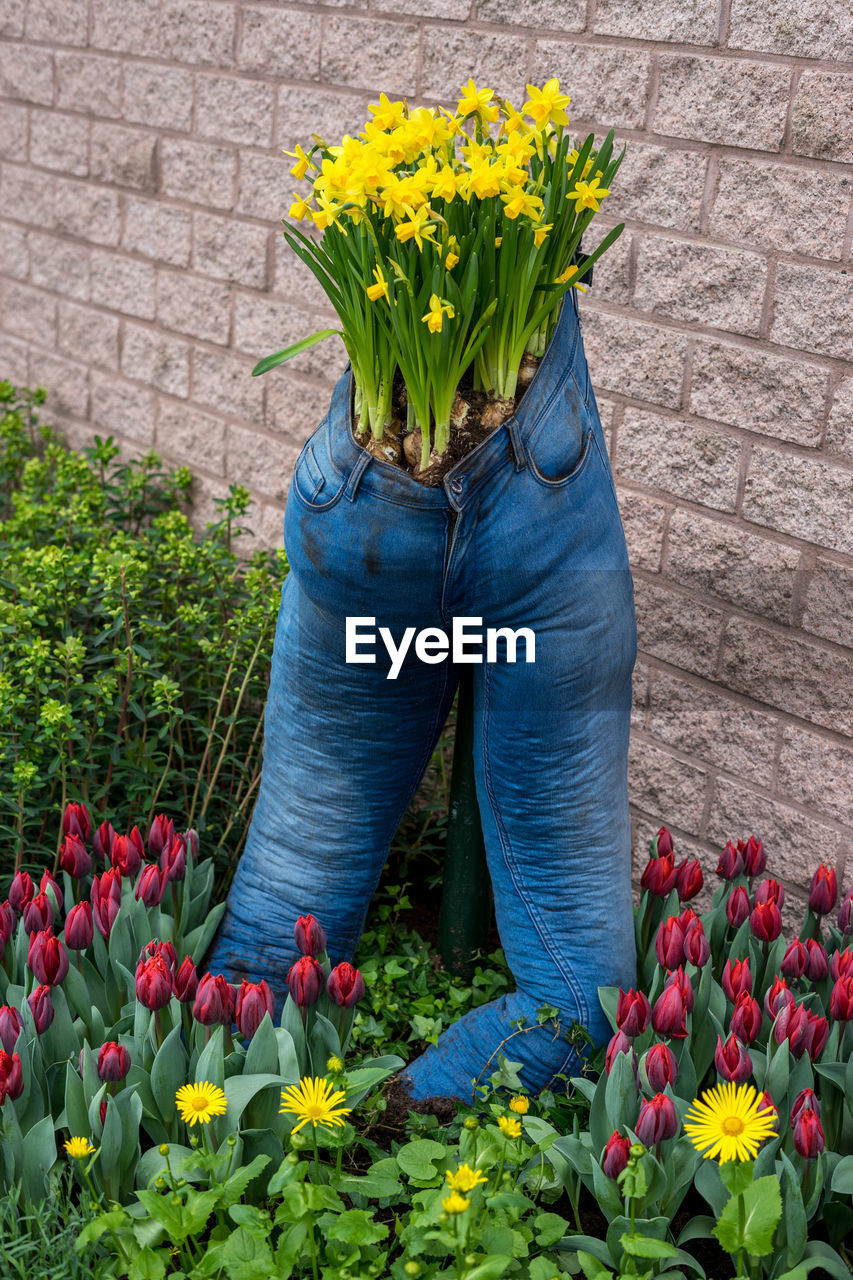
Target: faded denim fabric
(524, 533)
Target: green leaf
(39, 1157)
(418, 1159)
(211, 1062)
(736, 1175)
(353, 1226)
(168, 1074)
(549, 1228)
(147, 1265)
(270, 362)
(842, 1178)
(646, 1247)
(493, 1267)
(762, 1202)
(240, 1090)
(591, 1266)
(262, 1053)
(794, 1215)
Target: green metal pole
(466, 902)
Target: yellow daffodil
(498, 241)
(79, 1148)
(520, 1104)
(513, 120)
(315, 1102)
(572, 159)
(300, 208)
(518, 201)
(444, 185)
(199, 1103)
(454, 1203)
(452, 257)
(465, 1178)
(434, 318)
(540, 234)
(485, 179)
(588, 194)
(418, 228)
(567, 275)
(374, 293)
(476, 101)
(509, 1126)
(547, 105)
(302, 165)
(386, 114)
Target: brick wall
(143, 272)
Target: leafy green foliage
(38, 1244)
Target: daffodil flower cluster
(445, 238)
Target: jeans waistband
(504, 447)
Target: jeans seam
(563, 967)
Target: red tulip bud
(160, 834)
(792, 1024)
(79, 929)
(841, 964)
(186, 981)
(657, 1120)
(7, 924)
(697, 948)
(754, 857)
(22, 891)
(840, 1001)
(661, 1067)
(818, 961)
(669, 1013)
(106, 899)
(663, 843)
(10, 1027)
(795, 960)
(165, 950)
(632, 1012)
(102, 1110)
(11, 1077)
(770, 891)
(817, 1033)
(659, 875)
(48, 886)
(808, 1134)
(153, 983)
(345, 985)
(737, 906)
(766, 1103)
(47, 958)
(310, 936)
(732, 1060)
(746, 1018)
(75, 859)
(619, 1043)
(736, 977)
(680, 979)
(688, 879)
(76, 821)
(305, 981)
(765, 921)
(190, 839)
(41, 1005)
(38, 914)
(806, 1100)
(823, 893)
(127, 853)
(615, 1156)
(845, 914)
(102, 841)
(173, 860)
(214, 1001)
(669, 943)
(149, 888)
(254, 999)
(113, 1062)
(731, 862)
(777, 997)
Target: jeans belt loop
(517, 443)
(356, 474)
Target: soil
(475, 415)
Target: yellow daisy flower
(315, 1102)
(509, 1126)
(335, 1064)
(727, 1122)
(465, 1178)
(454, 1203)
(199, 1103)
(79, 1148)
(520, 1104)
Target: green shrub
(134, 652)
(39, 1244)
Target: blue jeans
(525, 532)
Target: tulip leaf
(647, 1247)
(363, 1079)
(291, 1021)
(39, 1157)
(842, 1178)
(606, 1192)
(240, 1090)
(270, 362)
(710, 1186)
(197, 942)
(762, 1204)
(168, 1073)
(76, 1111)
(608, 998)
(60, 1039)
(779, 1070)
(795, 1228)
(262, 1053)
(620, 1093)
(818, 1254)
(288, 1061)
(323, 1043)
(699, 1227)
(211, 1063)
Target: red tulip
(345, 985)
(186, 981)
(823, 893)
(79, 929)
(661, 1066)
(663, 843)
(688, 879)
(190, 839)
(41, 1006)
(21, 892)
(76, 821)
(765, 921)
(160, 834)
(806, 1100)
(102, 841)
(102, 1110)
(770, 891)
(731, 863)
(697, 948)
(792, 1024)
(254, 999)
(737, 906)
(214, 1001)
(776, 997)
(808, 1134)
(657, 1120)
(669, 1013)
(106, 899)
(632, 1012)
(173, 860)
(816, 1034)
(11, 1077)
(840, 1002)
(669, 943)
(746, 1018)
(75, 859)
(165, 950)
(153, 983)
(766, 1103)
(841, 964)
(113, 1062)
(680, 979)
(659, 876)
(754, 857)
(7, 925)
(47, 958)
(10, 1027)
(615, 1156)
(818, 961)
(736, 977)
(310, 936)
(305, 981)
(795, 960)
(732, 1060)
(128, 853)
(149, 888)
(38, 914)
(845, 914)
(619, 1043)
(48, 885)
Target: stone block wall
(143, 272)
